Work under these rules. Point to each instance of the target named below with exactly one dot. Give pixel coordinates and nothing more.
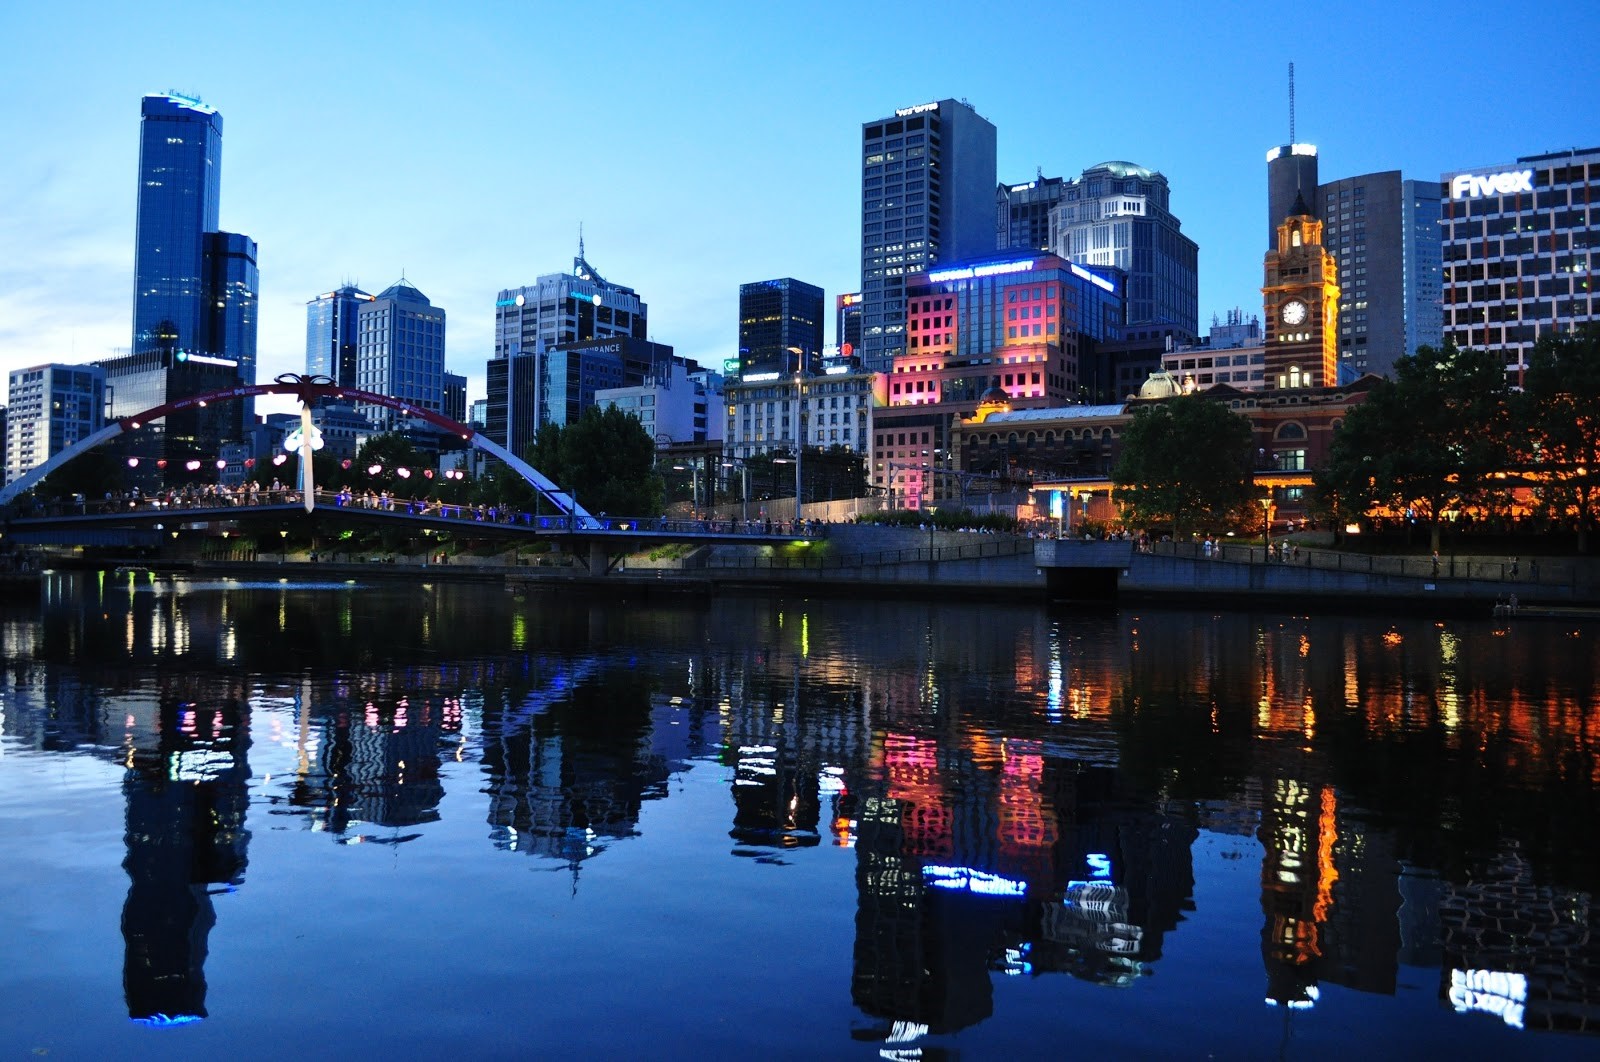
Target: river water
(301, 819)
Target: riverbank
(970, 566)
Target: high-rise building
(1022, 213)
(1518, 252)
(454, 403)
(1300, 295)
(1117, 215)
(195, 287)
(566, 308)
(554, 386)
(1384, 232)
(847, 324)
(927, 196)
(180, 178)
(557, 309)
(331, 334)
(164, 449)
(1291, 175)
(780, 326)
(400, 352)
(51, 407)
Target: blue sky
(703, 145)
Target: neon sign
(1293, 149)
(918, 109)
(203, 359)
(1097, 281)
(968, 272)
(1472, 186)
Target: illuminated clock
(1294, 312)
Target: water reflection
(186, 791)
(1023, 791)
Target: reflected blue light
(965, 879)
(167, 1021)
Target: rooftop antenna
(1291, 103)
(580, 241)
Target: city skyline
(691, 177)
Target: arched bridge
(307, 389)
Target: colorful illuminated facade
(1301, 295)
(1000, 324)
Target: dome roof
(995, 396)
(1160, 385)
(1126, 169)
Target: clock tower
(1300, 297)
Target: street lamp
(744, 487)
(1266, 526)
(694, 484)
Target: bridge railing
(213, 499)
(992, 547)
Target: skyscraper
(1384, 231)
(180, 176)
(400, 351)
(927, 196)
(1022, 213)
(331, 334)
(51, 407)
(195, 287)
(780, 326)
(1518, 252)
(1117, 214)
(557, 309)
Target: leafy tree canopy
(1427, 441)
(605, 459)
(1185, 462)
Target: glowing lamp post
(1266, 526)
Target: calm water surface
(326, 820)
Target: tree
(1185, 461)
(1426, 442)
(1560, 409)
(605, 460)
(390, 453)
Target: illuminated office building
(195, 287)
(780, 326)
(927, 197)
(847, 326)
(1116, 215)
(1384, 232)
(331, 334)
(1022, 214)
(556, 310)
(50, 408)
(1519, 252)
(400, 352)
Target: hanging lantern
(192, 465)
(373, 470)
(427, 473)
(249, 462)
(345, 463)
(221, 464)
(161, 463)
(403, 473)
(133, 462)
(280, 459)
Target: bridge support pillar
(599, 558)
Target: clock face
(1294, 312)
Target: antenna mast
(1291, 103)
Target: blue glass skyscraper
(180, 168)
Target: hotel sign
(918, 109)
(1473, 186)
